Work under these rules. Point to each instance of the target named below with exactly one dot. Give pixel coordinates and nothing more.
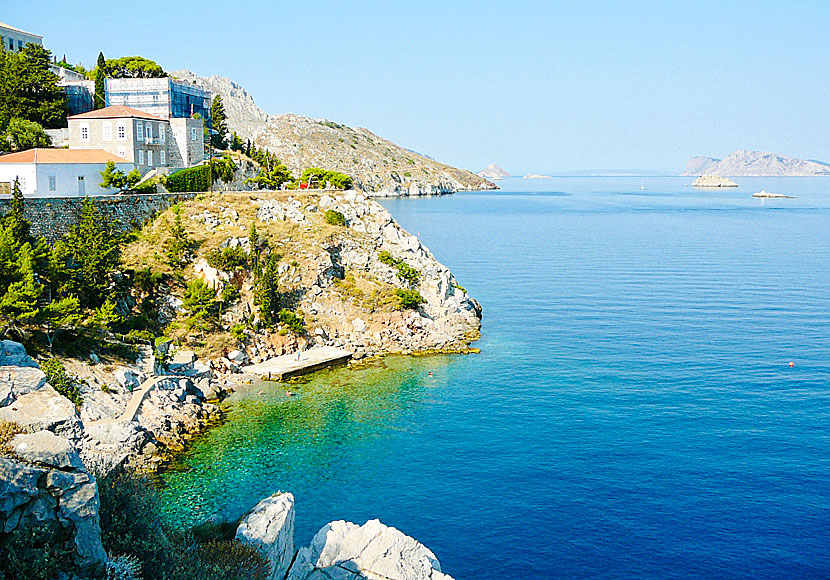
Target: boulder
(47, 449)
(16, 381)
(358, 325)
(238, 356)
(128, 378)
(44, 409)
(13, 354)
(372, 551)
(269, 527)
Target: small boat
(767, 195)
(642, 185)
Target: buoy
(289, 394)
(792, 364)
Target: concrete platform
(288, 365)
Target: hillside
(756, 163)
(377, 165)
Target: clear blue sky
(532, 86)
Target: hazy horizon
(537, 88)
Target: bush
(230, 294)
(228, 259)
(292, 321)
(141, 335)
(335, 218)
(405, 272)
(57, 376)
(190, 179)
(131, 523)
(408, 299)
(34, 553)
(238, 332)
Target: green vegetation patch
(405, 272)
(60, 380)
(335, 218)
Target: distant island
(756, 163)
(536, 176)
(713, 181)
(493, 171)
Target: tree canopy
(132, 67)
(29, 90)
(22, 134)
(220, 124)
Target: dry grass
(8, 430)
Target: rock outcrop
(756, 163)
(372, 551)
(269, 527)
(341, 550)
(377, 165)
(46, 484)
(713, 181)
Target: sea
(651, 399)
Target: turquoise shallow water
(632, 413)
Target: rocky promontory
(493, 171)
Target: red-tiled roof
(61, 156)
(116, 111)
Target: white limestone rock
(269, 527)
(19, 380)
(14, 354)
(372, 551)
(44, 409)
(47, 449)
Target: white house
(58, 172)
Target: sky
(538, 87)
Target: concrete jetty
(291, 365)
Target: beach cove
(631, 414)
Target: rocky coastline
(138, 416)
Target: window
(106, 131)
(122, 131)
(81, 185)
(19, 45)
(193, 134)
(161, 133)
(11, 44)
(163, 158)
(53, 185)
(148, 132)
(139, 131)
(84, 131)
(141, 156)
(149, 158)
(122, 152)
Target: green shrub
(34, 553)
(190, 179)
(292, 321)
(405, 272)
(335, 218)
(228, 259)
(143, 335)
(131, 523)
(230, 294)
(408, 299)
(57, 376)
(407, 174)
(238, 332)
(177, 250)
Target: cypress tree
(100, 83)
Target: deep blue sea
(632, 413)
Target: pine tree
(220, 124)
(267, 293)
(100, 83)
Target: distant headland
(756, 163)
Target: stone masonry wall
(52, 216)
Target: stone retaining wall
(52, 216)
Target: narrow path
(135, 401)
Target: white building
(58, 172)
(13, 39)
